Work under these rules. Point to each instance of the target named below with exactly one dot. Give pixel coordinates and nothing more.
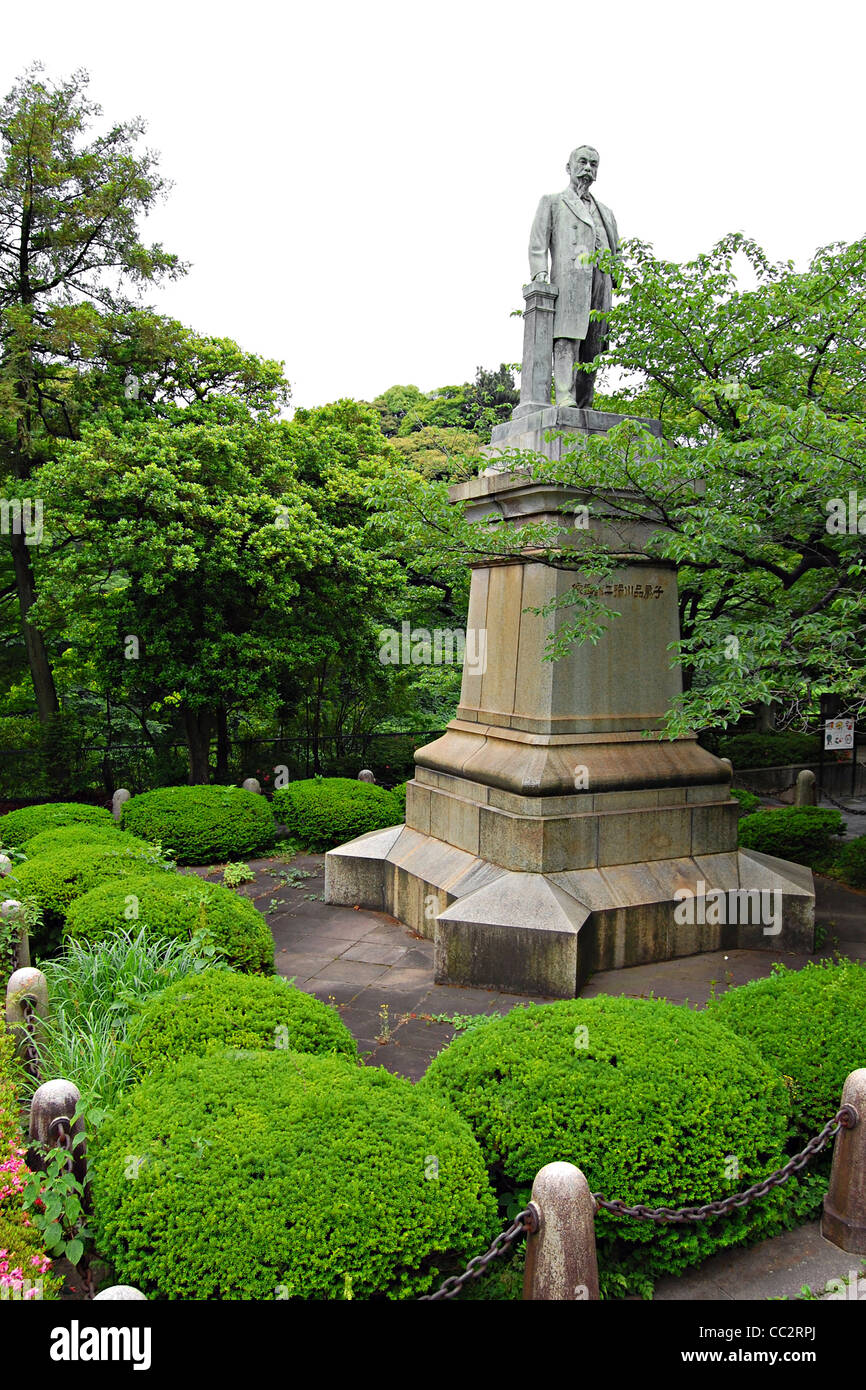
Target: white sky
(354, 183)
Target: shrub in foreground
(263, 1175)
(321, 812)
(649, 1099)
(224, 1009)
(17, 827)
(202, 825)
(68, 836)
(801, 833)
(810, 1025)
(172, 906)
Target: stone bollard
(117, 802)
(365, 775)
(252, 784)
(25, 983)
(844, 1219)
(5, 865)
(53, 1101)
(125, 1291)
(807, 789)
(560, 1256)
(728, 764)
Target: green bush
(321, 812)
(810, 1024)
(770, 749)
(223, 1009)
(849, 863)
(400, 793)
(54, 881)
(748, 802)
(649, 1099)
(17, 827)
(202, 825)
(176, 905)
(277, 1174)
(801, 833)
(68, 836)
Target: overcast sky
(354, 182)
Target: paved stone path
(379, 974)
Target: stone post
(120, 796)
(31, 984)
(807, 791)
(5, 865)
(252, 784)
(121, 1291)
(365, 775)
(844, 1220)
(54, 1101)
(536, 372)
(560, 1256)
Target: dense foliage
(173, 906)
(68, 836)
(649, 1099)
(277, 1174)
(17, 827)
(809, 1024)
(223, 1009)
(769, 749)
(202, 825)
(322, 812)
(802, 833)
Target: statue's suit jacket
(564, 228)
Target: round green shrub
(54, 880)
(222, 1009)
(68, 836)
(321, 812)
(748, 801)
(810, 1024)
(17, 827)
(650, 1099)
(202, 825)
(263, 1175)
(176, 905)
(801, 833)
(849, 864)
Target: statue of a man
(571, 226)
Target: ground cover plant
(651, 1100)
(202, 825)
(224, 1009)
(175, 906)
(282, 1175)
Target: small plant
(54, 1202)
(237, 873)
(461, 1022)
(384, 1034)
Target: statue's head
(582, 165)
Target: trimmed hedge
(649, 1099)
(55, 880)
(24, 1264)
(68, 836)
(770, 749)
(321, 812)
(801, 833)
(810, 1024)
(202, 825)
(176, 905)
(221, 1009)
(276, 1174)
(849, 864)
(17, 827)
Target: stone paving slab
(776, 1268)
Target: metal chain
(525, 1222)
(31, 1054)
(845, 1118)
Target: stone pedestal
(552, 830)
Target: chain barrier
(31, 1054)
(526, 1223)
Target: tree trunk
(197, 727)
(222, 732)
(41, 674)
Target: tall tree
(70, 203)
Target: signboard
(839, 733)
